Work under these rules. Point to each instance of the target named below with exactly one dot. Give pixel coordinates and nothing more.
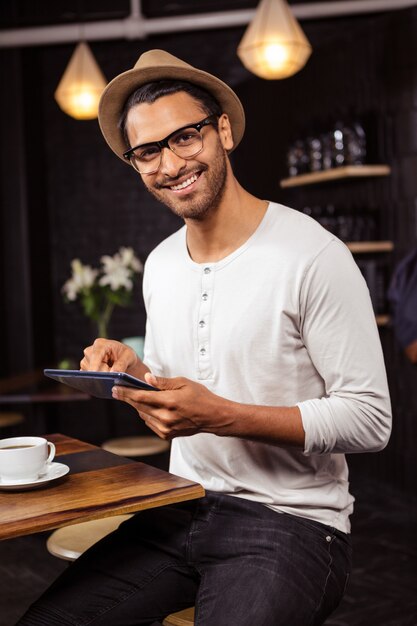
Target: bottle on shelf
(326, 148)
(344, 142)
(355, 144)
(298, 158)
(350, 224)
(360, 231)
(375, 273)
(315, 153)
(338, 144)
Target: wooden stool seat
(181, 618)
(70, 542)
(136, 446)
(10, 419)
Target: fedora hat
(156, 65)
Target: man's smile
(183, 185)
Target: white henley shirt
(284, 320)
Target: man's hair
(150, 92)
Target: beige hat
(157, 65)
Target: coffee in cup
(23, 459)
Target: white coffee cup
(23, 459)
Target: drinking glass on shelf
(298, 158)
(355, 144)
(315, 154)
(326, 151)
(338, 145)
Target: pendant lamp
(274, 45)
(81, 85)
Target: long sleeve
(340, 333)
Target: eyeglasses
(185, 142)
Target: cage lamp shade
(81, 85)
(274, 45)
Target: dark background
(64, 194)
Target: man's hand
(181, 407)
(107, 355)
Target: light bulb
(83, 101)
(275, 55)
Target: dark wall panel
(81, 201)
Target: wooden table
(99, 484)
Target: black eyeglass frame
(164, 143)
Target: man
(262, 341)
(402, 294)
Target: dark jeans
(240, 563)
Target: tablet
(98, 384)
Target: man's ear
(225, 132)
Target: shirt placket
(204, 365)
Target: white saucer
(54, 471)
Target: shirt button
(204, 296)
(201, 323)
(207, 270)
(328, 539)
(202, 351)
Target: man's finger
(101, 360)
(152, 423)
(163, 383)
(121, 364)
(147, 399)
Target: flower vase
(102, 329)
(104, 320)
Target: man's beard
(205, 201)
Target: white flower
(116, 276)
(111, 263)
(128, 259)
(118, 269)
(83, 277)
(125, 257)
(70, 289)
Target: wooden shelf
(337, 173)
(360, 247)
(383, 320)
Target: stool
(70, 542)
(136, 446)
(181, 618)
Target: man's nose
(171, 163)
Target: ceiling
(21, 13)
